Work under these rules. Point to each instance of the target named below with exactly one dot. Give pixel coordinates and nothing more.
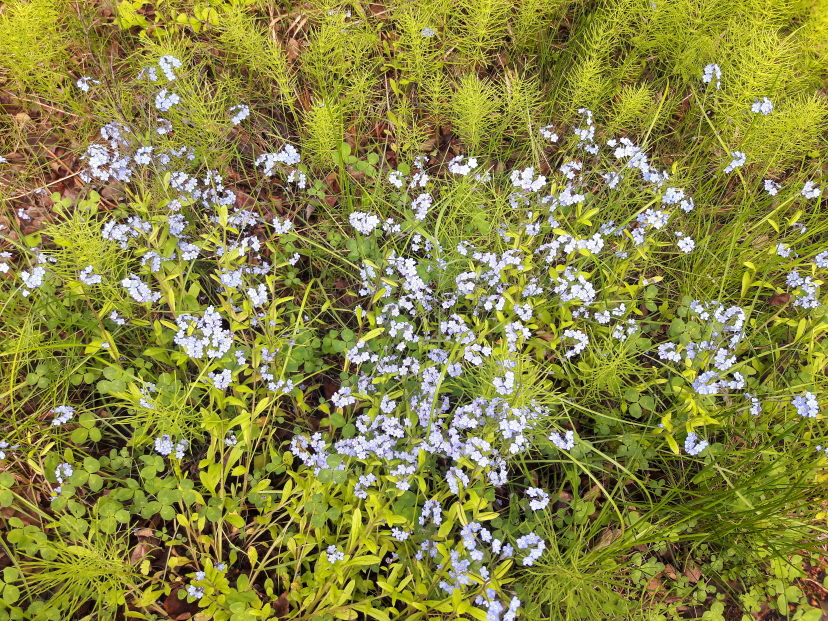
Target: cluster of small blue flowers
(805, 290)
(167, 64)
(713, 357)
(692, 445)
(540, 499)
(84, 83)
(221, 380)
(764, 107)
(457, 166)
(139, 290)
(6, 446)
(738, 161)
(165, 446)
(62, 472)
(565, 442)
(63, 414)
(32, 280)
(288, 156)
(712, 71)
(806, 405)
(810, 190)
(334, 554)
(239, 113)
(196, 592)
(88, 277)
(165, 100)
(364, 222)
(197, 334)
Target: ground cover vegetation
(481, 309)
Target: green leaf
(11, 594)
(360, 561)
(631, 395)
(91, 465)
(234, 519)
(79, 478)
(6, 498)
(373, 612)
(243, 582)
(107, 525)
(6, 479)
(79, 435)
(325, 475)
(95, 482)
(814, 614)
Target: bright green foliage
(474, 106)
(33, 43)
(636, 528)
(262, 58)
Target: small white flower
(738, 161)
(364, 222)
(164, 100)
(334, 554)
(765, 106)
(258, 296)
(810, 190)
(167, 63)
(783, 250)
(239, 112)
(540, 498)
(63, 414)
(710, 71)
(85, 82)
(547, 133)
(686, 244)
(88, 277)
